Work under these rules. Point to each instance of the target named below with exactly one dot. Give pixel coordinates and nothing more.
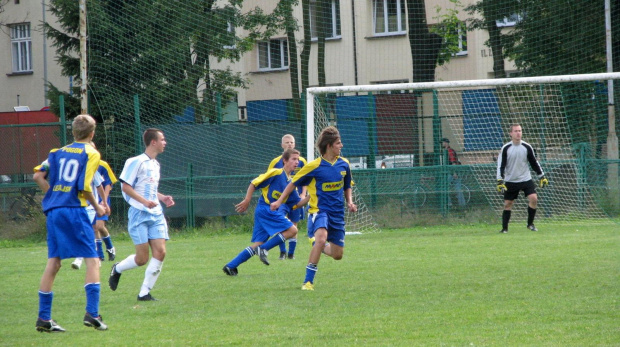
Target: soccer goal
(392, 136)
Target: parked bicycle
(418, 194)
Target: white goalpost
(568, 119)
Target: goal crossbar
(312, 92)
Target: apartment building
(367, 44)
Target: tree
(491, 12)
(424, 44)
(157, 50)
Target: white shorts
(91, 214)
(144, 226)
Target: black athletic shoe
(532, 227)
(291, 256)
(111, 253)
(114, 278)
(262, 254)
(503, 231)
(230, 271)
(147, 297)
(94, 322)
(282, 255)
(48, 326)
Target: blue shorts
(268, 223)
(104, 217)
(70, 234)
(335, 229)
(293, 215)
(144, 226)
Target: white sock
(127, 264)
(150, 276)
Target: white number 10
(68, 169)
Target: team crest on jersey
(343, 173)
(331, 186)
(276, 194)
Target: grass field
(435, 286)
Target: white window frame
(265, 46)
(462, 38)
(336, 31)
(400, 18)
(21, 47)
(230, 29)
(509, 21)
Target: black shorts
(513, 189)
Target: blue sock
(292, 244)
(278, 239)
(283, 247)
(92, 298)
(108, 242)
(99, 245)
(242, 257)
(45, 305)
(311, 270)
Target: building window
(230, 36)
(21, 46)
(333, 20)
(462, 41)
(273, 55)
(388, 17)
(509, 21)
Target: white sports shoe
(77, 263)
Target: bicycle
(25, 205)
(417, 194)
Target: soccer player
(147, 225)
(513, 176)
(329, 184)
(267, 222)
(288, 141)
(98, 192)
(69, 231)
(101, 231)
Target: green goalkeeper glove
(501, 187)
(543, 182)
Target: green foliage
(450, 28)
(467, 285)
(155, 50)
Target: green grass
(434, 286)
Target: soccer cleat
(77, 263)
(291, 256)
(111, 254)
(532, 227)
(262, 254)
(146, 297)
(282, 255)
(503, 231)
(311, 240)
(230, 271)
(48, 326)
(114, 278)
(307, 286)
(94, 322)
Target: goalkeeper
(513, 176)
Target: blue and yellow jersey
(272, 183)
(70, 172)
(278, 163)
(326, 185)
(109, 179)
